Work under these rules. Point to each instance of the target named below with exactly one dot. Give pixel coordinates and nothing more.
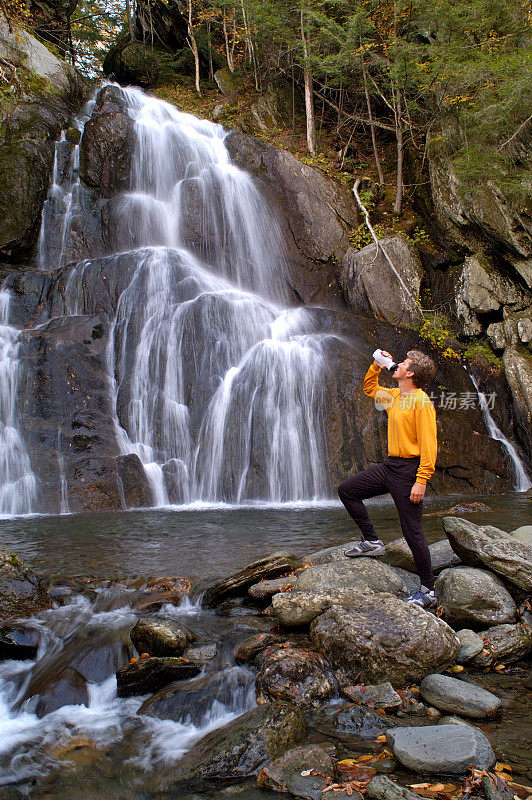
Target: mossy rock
(21, 592)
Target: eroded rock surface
(296, 676)
(474, 597)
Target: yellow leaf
(501, 766)
(381, 738)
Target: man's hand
(386, 354)
(417, 492)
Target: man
(412, 448)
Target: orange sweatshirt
(411, 423)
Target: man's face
(402, 369)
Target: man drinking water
(412, 448)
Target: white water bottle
(384, 361)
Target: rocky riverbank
(327, 679)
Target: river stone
(523, 534)
(384, 639)
(273, 566)
(441, 749)
(474, 597)
(357, 573)
(202, 653)
(159, 637)
(70, 689)
(382, 788)
(21, 592)
(349, 723)
(18, 640)
(241, 748)
(293, 675)
(295, 609)
(284, 774)
(459, 697)
(192, 701)
(382, 695)
(265, 589)
(470, 645)
(504, 644)
(250, 648)
(151, 674)
(398, 554)
(485, 546)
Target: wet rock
(249, 649)
(349, 723)
(243, 747)
(205, 652)
(70, 689)
(107, 145)
(99, 662)
(382, 695)
(265, 589)
(384, 639)
(441, 749)
(356, 573)
(474, 597)
(385, 766)
(518, 371)
(161, 591)
(470, 645)
(192, 702)
(485, 546)
(21, 592)
(160, 637)
(398, 554)
(504, 644)
(151, 674)
(382, 788)
(459, 697)
(370, 284)
(18, 640)
(295, 609)
(273, 566)
(469, 508)
(292, 675)
(284, 774)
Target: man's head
(416, 366)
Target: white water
(215, 386)
(18, 486)
(522, 481)
(31, 747)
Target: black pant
(397, 476)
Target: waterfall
(215, 383)
(17, 482)
(64, 506)
(522, 481)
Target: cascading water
(17, 481)
(215, 386)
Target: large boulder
(241, 748)
(293, 675)
(441, 749)
(371, 284)
(356, 573)
(151, 674)
(297, 609)
(492, 548)
(160, 637)
(384, 639)
(474, 597)
(459, 697)
(22, 593)
(398, 554)
(504, 644)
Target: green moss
(478, 350)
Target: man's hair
(422, 366)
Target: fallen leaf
(306, 773)
(349, 790)
(456, 668)
(501, 767)
(499, 667)
(381, 738)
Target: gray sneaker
(366, 548)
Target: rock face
(441, 749)
(370, 283)
(474, 597)
(295, 609)
(296, 676)
(459, 697)
(273, 566)
(287, 773)
(491, 548)
(242, 748)
(21, 592)
(314, 213)
(384, 639)
(356, 573)
(518, 370)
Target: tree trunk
(228, 54)
(398, 207)
(129, 21)
(309, 91)
(372, 127)
(193, 46)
